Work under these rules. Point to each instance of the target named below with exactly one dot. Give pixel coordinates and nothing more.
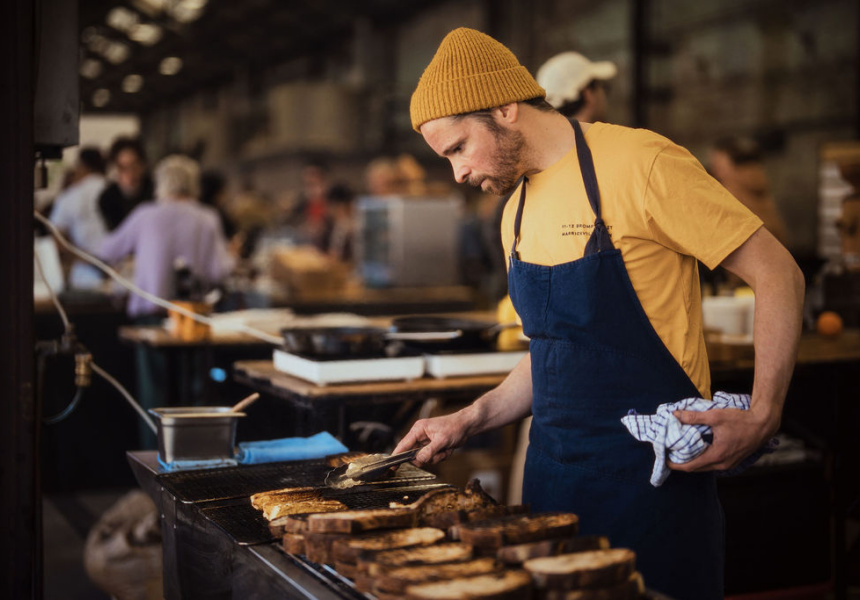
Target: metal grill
(247, 526)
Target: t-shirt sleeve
(689, 212)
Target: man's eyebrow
(450, 149)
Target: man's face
(484, 157)
(129, 171)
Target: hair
(486, 115)
(568, 109)
(340, 194)
(92, 159)
(177, 176)
(212, 183)
(740, 150)
(127, 143)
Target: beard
(507, 157)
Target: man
(575, 86)
(132, 186)
(176, 229)
(76, 213)
(602, 272)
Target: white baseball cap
(566, 74)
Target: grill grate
(243, 481)
(247, 526)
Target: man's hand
(737, 434)
(439, 435)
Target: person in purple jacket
(175, 229)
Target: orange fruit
(829, 324)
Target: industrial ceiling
(137, 55)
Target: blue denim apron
(595, 355)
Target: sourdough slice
(509, 585)
(294, 543)
(474, 496)
(318, 546)
(289, 501)
(491, 534)
(519, 553)
(397, 580)
(355, 521)
(379, 562)
(591, 569)
(338, 460)
(365, 583)
(297, 523)
(348, 550)
(631, 589)
(348, 570)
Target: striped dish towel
(673, 441)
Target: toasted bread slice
(519, 553)
(289, 501)
(348, 550)
(297, 523)
(491, 534)
(338, 460)
(348, 570)
(294, 543)
(509, 585)
(318, 546)
(395, 581)
(631, 589)
(474, 496)
(590, 569)
(355, 521)
(378, 562)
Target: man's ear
(508, 113)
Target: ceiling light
(186, 11)
(132, 84)
(98, 43)
(145, 33)
(122, 19)
(116, 52)
(90, 68)
(88, 34)
(170, 65)
(153, 8)
(101, 97)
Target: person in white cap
(575, 86)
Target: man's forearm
(508, 402)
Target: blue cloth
(594, 355)
(676, 442)
(297, 448)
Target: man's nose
(461, 172)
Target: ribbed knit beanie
(470, 71)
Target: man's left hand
(737, 434)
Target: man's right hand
(440, 436)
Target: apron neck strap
(519, 219)
(599, 239)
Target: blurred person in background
(382, 177)
(736, 162)
(76, 214)
(342, 222)
(132, 183)
(577, 87)
(310, 212)
(175, 229)
(848, 223)
(213, 191)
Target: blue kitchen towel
(297, 448)
(680, 443)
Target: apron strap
(599, 239)
(519, 220)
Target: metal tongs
(338, 478)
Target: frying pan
(451, 333)
(331, 342)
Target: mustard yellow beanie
(470, 71)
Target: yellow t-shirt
(663, 212)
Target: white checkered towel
(681, 443)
